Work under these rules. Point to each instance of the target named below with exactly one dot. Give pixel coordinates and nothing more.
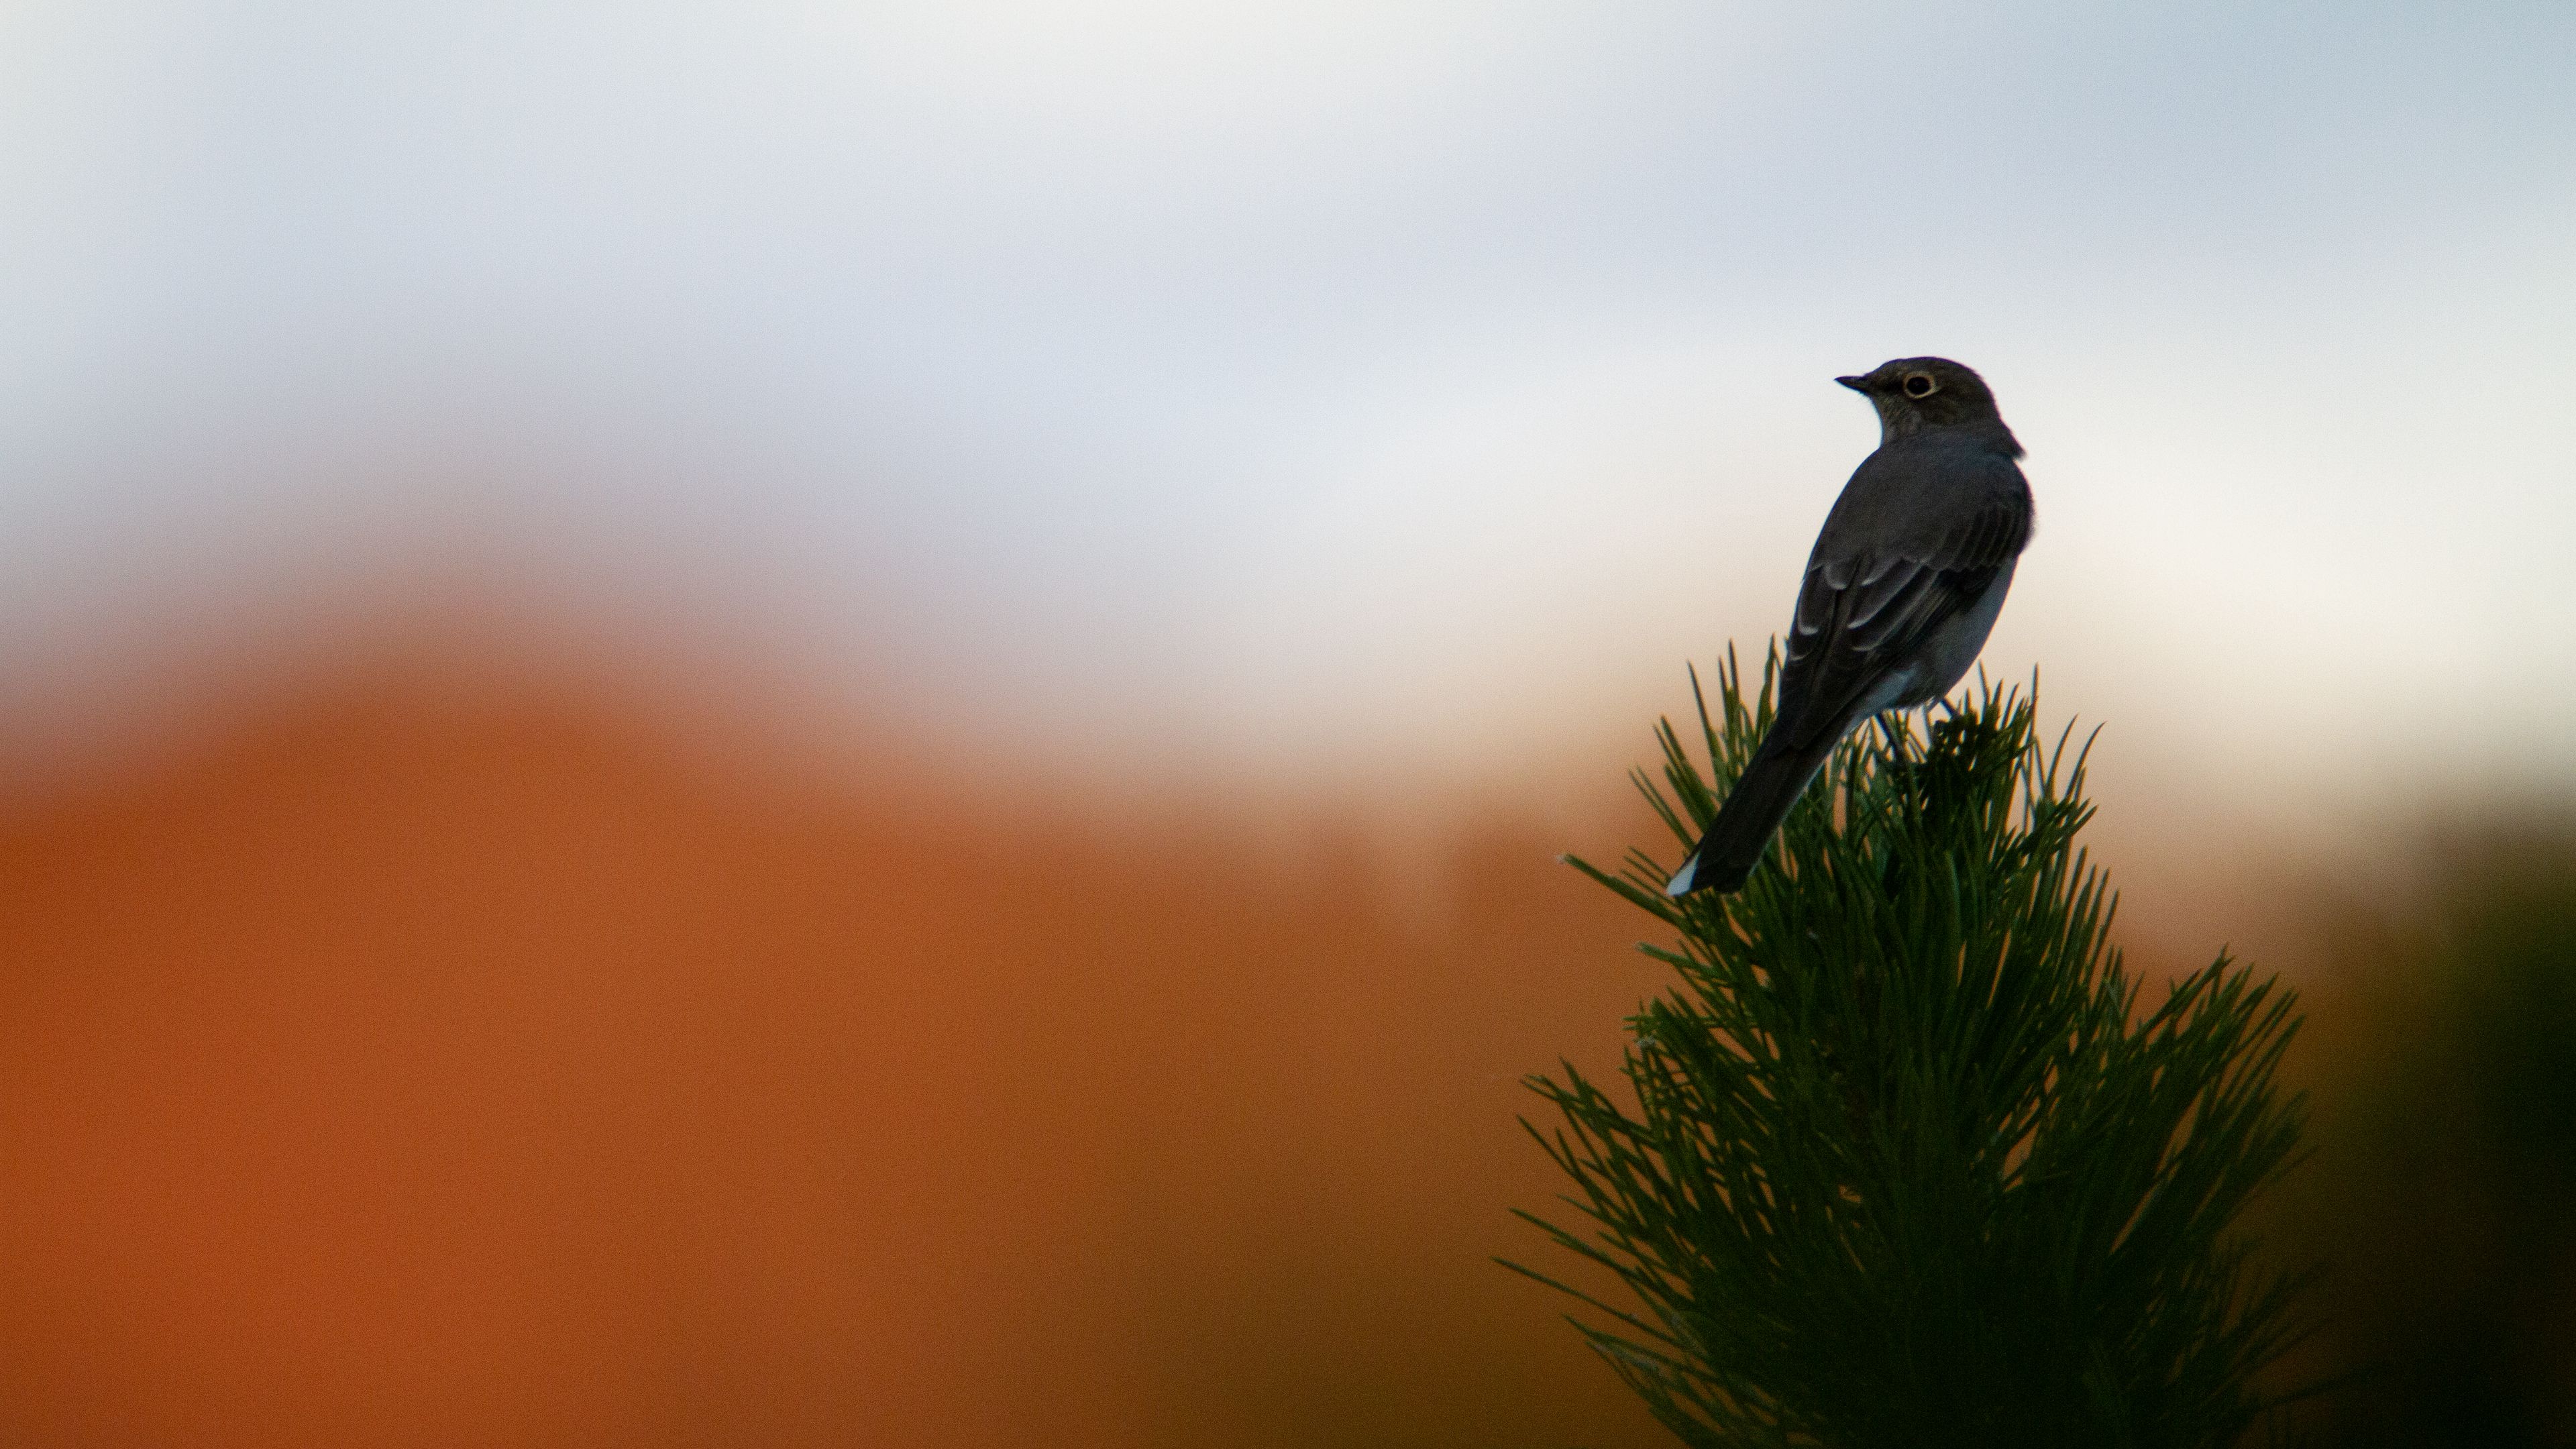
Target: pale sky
(1411, 385)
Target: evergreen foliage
(1908, 1163)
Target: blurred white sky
(1410, 384)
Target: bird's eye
(1920, 384)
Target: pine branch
(1907, 1163)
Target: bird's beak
(1856, 384)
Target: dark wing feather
(1858, 616)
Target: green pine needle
(1908, 1163)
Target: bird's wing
(1865, 611)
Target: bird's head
(1914, 393)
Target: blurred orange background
(439, 1051)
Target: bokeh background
(794, 724)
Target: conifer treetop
(1905, 1158)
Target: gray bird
(1900, 594)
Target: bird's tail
(1752, 812)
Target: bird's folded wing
(1863, 615)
